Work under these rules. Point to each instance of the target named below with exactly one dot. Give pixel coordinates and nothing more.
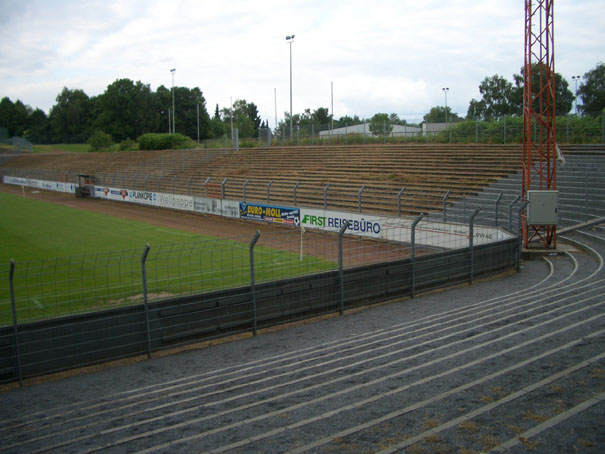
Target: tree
(38, 127)
(216, 125)
(245, 118)
(186, 106)
(592, 91)
(437, 114)
(13, 116)
(563, 96)
(127, 110)
(71, 117)
(380, 124)
(496, 99)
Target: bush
(100, 141)
(128, 145)
(153, 141)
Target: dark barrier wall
(75, 341)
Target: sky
(379, 56)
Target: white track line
(344, 391)
(317, 375)
(549, 424)
(509, 398)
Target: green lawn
(68, 261)
(74, 147)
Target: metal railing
(71, 312)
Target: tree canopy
(592, 91)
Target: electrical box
(543, 207)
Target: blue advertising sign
(269, 213)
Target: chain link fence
(571, 129)
(71, 312)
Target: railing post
(510, 213)
(172, 183)
(145, 182)
(269, 191)
(399, 201)
(447, 194)
(294, 191)
(252, 281)
(224, 182)
(497, 202)
(189, 185)
(363, 186)
(145, 303)
(326, 196)
(341, 267)
(14, 310)
(413, 256)
(134, 182)
(470, 242)
(519, 234)
(244, 189)
(206, 185)
(159, 181)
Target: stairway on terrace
(426, 171)
(580, 182)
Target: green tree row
(126, 110)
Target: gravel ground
(512, 364)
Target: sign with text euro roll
(269, 213)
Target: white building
(364, 130)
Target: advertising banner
(332, 221)
(175, 201)
(217, 207)
(41, 184)
(120, 195)
(269, 213)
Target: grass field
(73, 147)
(70, 261)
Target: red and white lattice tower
(539, 122)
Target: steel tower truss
(539, 122)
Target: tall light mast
(539, 124)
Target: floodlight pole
(173, 111)
(445, 90)
(290, 39)
(575, 79)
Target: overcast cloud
(382, 56)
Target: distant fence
(66, 313)
(571, 129)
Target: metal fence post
(14, 310)
(447, 194)
(413, 256)
(399, 201)
(269, 191)
(252, 281)
(172, 184)
(244, 189)
(189, 185)
(224, 182)
(470, 242)
(145, 304)
(363, 186)
(497, 202)
(145, 182)
(159, 182)
(294, 191)
(510, 213)
(206, 185)
(519, 234)
(326, 196)
(341, 267)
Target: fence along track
(402, 327)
